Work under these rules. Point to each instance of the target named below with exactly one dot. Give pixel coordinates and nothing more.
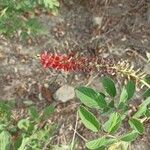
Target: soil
(119, 29)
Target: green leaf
(17, 143)
(111, 104)
(127, 92)
(109, 86)
(33, 113)
(128, 137)
(51, 3)
(123, 96)
(142, 108)
(24, 124)
(146, 93)
(5, 140)
(48, 111)
(3, 12)
(90, 97)
(100, 143)
(147, 79)
(113, 123)
(88, 119)
(130, 87)
(136, 124)
(5, 111)
(96, 144)
(25, 141)
(147, 113)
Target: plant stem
(74, 134)
(83, 138)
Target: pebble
(12, 61)
(97, 21)
(64, 93)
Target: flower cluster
(62, 62)
(73, 63)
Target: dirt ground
(104, 28)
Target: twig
(83, 138)
(91, 80)
(74, 134)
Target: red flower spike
(62, 62)
(73, 63)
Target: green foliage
(88, 119)
(33, 113)
(96, 144)
(50, 4)
(136, 124)
(130, 87)
(116, 112)
(147, 113)
(109, 86)
(128, 137)
(90, 98)
(4, 112)
(126, 94)
(142, 108)
(47, 111)
(123, 96)
(100, 143)
(113, 123)
(146, 93)
(19, 16)
(31, 132)
(5, 140)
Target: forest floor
(119, 29)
